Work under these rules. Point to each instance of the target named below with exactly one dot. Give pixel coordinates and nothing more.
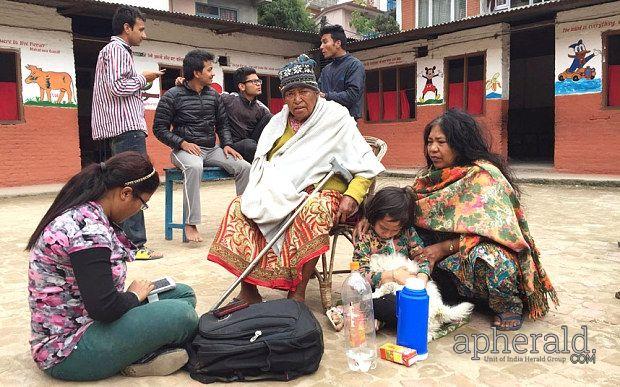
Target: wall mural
(434, 97)
(493, 87)
(50, 82)
(579, 77)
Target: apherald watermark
(535, 347)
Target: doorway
(90, 35)
(531, 111)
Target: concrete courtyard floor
(576, 228)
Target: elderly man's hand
(179, 81)
(347, 207)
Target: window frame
(604, 80)
(430, 12)
(164, 65)
(19, 82)
(446, 82)
(266, 87)
(398, 111)
(503, 7)
(219, 11)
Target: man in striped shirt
(118, 110)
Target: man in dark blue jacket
(343, 79)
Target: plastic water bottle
(412, 315)
(359, 322)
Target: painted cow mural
(51, 80)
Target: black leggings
(385, 310)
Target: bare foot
(508, 321)
(297, 295)
(249, 293)
(192, 234)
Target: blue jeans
(106, 348)
(134, 140)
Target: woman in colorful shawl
(468, 197)
(293, 154)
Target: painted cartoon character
(50, 80)
(493, 83)
(429, 74)
(580, 57)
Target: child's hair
(394, 202)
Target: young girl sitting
(390, 216)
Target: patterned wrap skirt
(239, 240)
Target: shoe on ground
(144, 254)
(161, 365)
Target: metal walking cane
(336, 168)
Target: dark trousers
(247, 148)
(134, 140)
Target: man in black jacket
(194, 111)
(246, 114)
(343, 79)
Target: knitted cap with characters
(298, 73)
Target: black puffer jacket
(193, 117)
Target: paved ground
(577, 229)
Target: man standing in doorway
(343, 79)
(118, 110)
(195, 111)
(247, 115)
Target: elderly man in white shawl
(293, 154)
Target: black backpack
(276, 340)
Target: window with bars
(611, 48)
(10, 81)
(465, 83)
(203, 9)
(390, 94)
(432, 12)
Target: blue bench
(175, 174)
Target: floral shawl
(478, 203)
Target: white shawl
(276, 187)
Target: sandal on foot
(144, 254)
(335, 315)
(508, 317)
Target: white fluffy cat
(439, 313)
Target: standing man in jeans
(246, 114)
(118, 110)
(186, 119)
(343, 79)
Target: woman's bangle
(451, 247)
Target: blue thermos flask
(412, 316)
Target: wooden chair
(346, 230)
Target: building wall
(162, 5)
(407, 9)
(49, 135)
(44, 147)
(473, 7)
(404, 139)
(246, 9)
(586, 132)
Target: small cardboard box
(397, 354)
